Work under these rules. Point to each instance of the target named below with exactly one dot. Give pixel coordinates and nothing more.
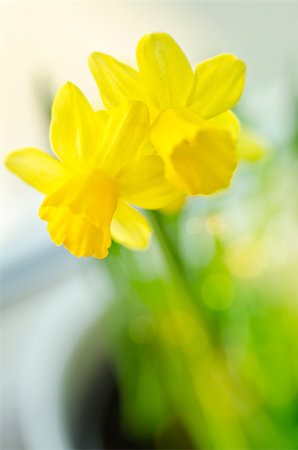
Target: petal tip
(96, 58)
(8, 159)
(92, 59)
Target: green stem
(170, 253)
(178, 274)
(209, 361)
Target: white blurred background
(47, 297)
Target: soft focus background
(240, 247)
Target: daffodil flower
(192, 129)
(103, 166)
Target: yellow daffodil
(102, 167)
(192, 127)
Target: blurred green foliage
(203, 333)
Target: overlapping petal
(145, 185)
(165, 70)
(116, 81)
(217, 86)
(126, 134)
(130, 228)
(200, 159)
(37, 168)
(76, 130)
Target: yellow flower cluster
(168, 132)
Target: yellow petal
(130, 228)
(76, 130)
(126, 134)
(217, 86)
(200, 158)
(164, 69)
(116, 81)
(79, 213)
(37, 168)
(251, 147)
(227, 121)
(145, 185)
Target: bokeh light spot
(180, 328)
(247, 258)
(194, 225)
(215, 225)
